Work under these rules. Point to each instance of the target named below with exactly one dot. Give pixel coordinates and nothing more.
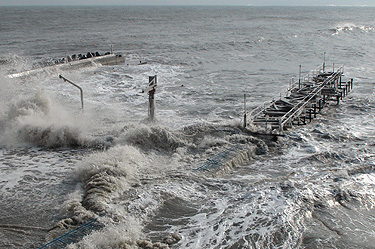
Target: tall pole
(299, 80)
(72, 83)
(324, 62)
(151, 105)
(244, 113)
(151, 97)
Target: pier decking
(303, 100)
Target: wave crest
(157, 138)
(349, 28)
(107, 174)
(36, 120)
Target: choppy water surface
(60, 167)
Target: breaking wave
(349, 27)
(154, 137)
(125, 183)
(37, 121)
(102, 177)
(108, 173)
(14, 63)
(116, 181)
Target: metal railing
(72, 83)
(300, 105)
(294, 84)
(74, 235)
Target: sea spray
(39, 104)
(13, 63)
(38, 121)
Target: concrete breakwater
(108, 59)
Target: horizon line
(182, 5)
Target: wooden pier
(303, 100)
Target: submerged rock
(145, 244)
(172, 238)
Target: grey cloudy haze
(189, 2)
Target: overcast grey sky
(189, 2)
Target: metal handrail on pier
(299, 106)
(302, 97)
(294, 84)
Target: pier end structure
(302, 101)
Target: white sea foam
(122, 235)
(38, 120)
(351, 27)
(107, 174)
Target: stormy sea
(142, 182)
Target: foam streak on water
(194, 178)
